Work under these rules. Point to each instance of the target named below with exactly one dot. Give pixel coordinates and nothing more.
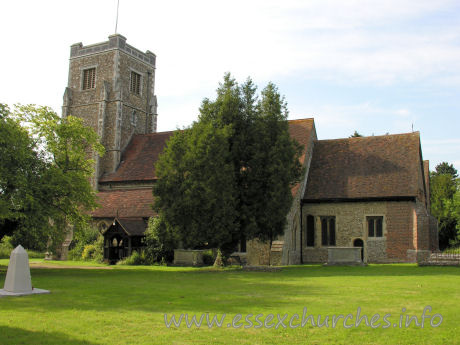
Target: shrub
(94, 251)
(87, 244)
(135, 259)
(33, 254)
(209, 257)
(88, 252)
(452, 250)
(160, 241)
(5, 247)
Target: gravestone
(344, 256)
(18, 281)
(188, 257)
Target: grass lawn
(126, 305)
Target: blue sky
(371, 66)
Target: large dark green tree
(228, 177)
(446, 168)
(194, 193)
(20, 169)
(443, 186)
(45, 174)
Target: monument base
(25, 293)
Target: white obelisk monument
(18, 281)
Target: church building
(369, 192)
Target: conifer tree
(228, 177)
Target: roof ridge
(417, 133)
(304, 119)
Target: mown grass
(126, 305)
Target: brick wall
(400, 230)
(351, 224)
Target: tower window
(135, 86)
(89, 78)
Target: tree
(443, 187)
(455, 211)
(194, 191)
(356, 135)
(58, 190)
(227, 178)
(273, 167)
(19, 172)
(159, 241)
(446, 168)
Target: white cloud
(346, 42)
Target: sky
(373, 66)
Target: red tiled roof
(368, 167)
(301, 130)
(138, 164)
(138, 160)
(125, 203)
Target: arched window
(328, 231)
(310, 231)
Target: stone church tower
(112, 87)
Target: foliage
(159, 241)
(443, 188)
(44, 185)
(20, 175)
(136, 259)
(446, 168)
(194, 190)
(82, 236)
(209, 257)
(453, 250)
(228, 176)
(455, 211)
(5, 247)
(356, 134)
(94, 251)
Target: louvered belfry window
(135, 83)
(89, 78)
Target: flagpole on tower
(116, 22)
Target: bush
(87, 244)
(136, 259)
(5, 247)
(88, 252)
(159, 241)
(33, 254)
(452, 250)
(94, 251)
(209, 256)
